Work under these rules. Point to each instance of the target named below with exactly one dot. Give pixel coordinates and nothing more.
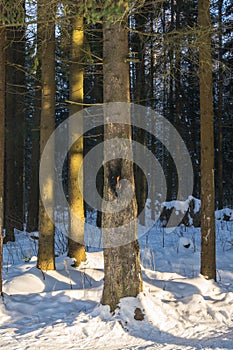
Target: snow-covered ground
(61, 309)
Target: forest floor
(61, 309)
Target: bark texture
(46, 36)
(208, 255)
(34, 192)
(220, 107)
(2, 134)
(121, 263)
(15, 128)
(76, 248)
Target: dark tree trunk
(46, 37)
(140, 177)
(15, 128)
(208, 254)
(153, 149)
(220, 110)
(34, 193)
(170, 170)
(2, 138)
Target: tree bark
(140, 137)
(208, 255)
(152, 94)
(121, 263)
(46, 36)
(220, 110)
(76, 248)
(170, 169)
(15, 129)
(34, 191)
(2, 139)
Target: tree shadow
(179, 288)
(32, 312)
(35, 312)
(59, 304)
(146, 330)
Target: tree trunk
(140, 137)
(170, 169)
(121, 263)
(15, 128)
(76, 248)
(2, 133)
(208, 255)
(34, 192)
(152, 94)
(178, 101)
(178, 69)
(220, 110)
(95, 39)
(46, 36)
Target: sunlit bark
(76, 248)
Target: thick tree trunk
(15, 128)
(2, 134)
(121, 263)
(76, 248)
(208, 255)
(46, 36)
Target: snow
(182, 206)
(62, 309)
(226, 212)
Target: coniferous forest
(116, 170)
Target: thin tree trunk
(46, 35)
(178, 90)
(76, 248)
(15, 128)
(140, 179)
(2, 138)
(170, 170)
(220, 110)
(153, 126)
(178, 69)
(208, 254)
(1, 262)
(121, 263)
(34, 195)
(96, 38)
